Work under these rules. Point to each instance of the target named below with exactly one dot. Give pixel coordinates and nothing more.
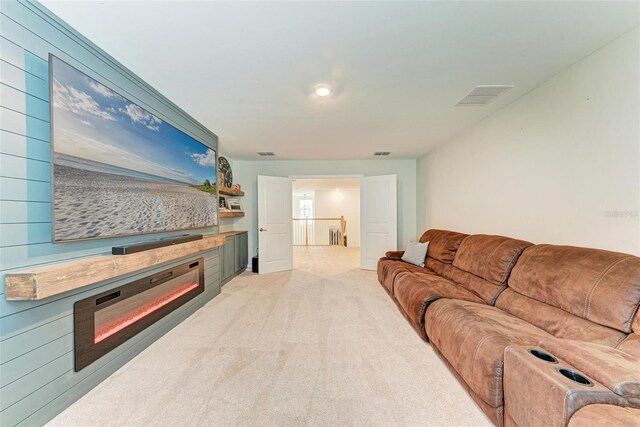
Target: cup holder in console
(574, 376)
(542, 355)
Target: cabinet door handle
(263, 229)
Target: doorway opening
(365, 218)
(326, 218)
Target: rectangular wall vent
(266, 153)
(382, 153)
(483, 94)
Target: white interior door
(275, 224)
(378, 218)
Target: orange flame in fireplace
(141, 312)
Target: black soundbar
(140, 247)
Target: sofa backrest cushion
(598, 285)
(485, 289)
(439, 267)
(556, 321)
(631, 345)
(489, 257)
(443, 244)
(482, 264)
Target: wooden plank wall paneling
(37, 380)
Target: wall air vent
(266, 153)
(482, 95)
(382, 153)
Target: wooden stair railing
(310, 231)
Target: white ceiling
(246, 69)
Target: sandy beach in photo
(92, 204)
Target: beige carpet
(322, 345)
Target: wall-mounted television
(118, 170)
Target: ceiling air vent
(266, 153)
(382, 153)
(482, 95)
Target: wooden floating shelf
(44, 282)
(230, 191)
(230, 214)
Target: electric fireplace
(104, 321)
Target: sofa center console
(541, 380)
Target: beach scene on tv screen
(118, 169)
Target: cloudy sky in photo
(93, 122)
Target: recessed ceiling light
(323, 90)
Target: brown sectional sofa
(487, 303)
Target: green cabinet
(228, 268)
(235, 255)
(242, 256)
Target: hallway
(316, 258)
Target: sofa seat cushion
(414, 293)
(388, 269)
(473, 337)
(605, 416)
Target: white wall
(346, 202)
(560, 165)
(246, 173)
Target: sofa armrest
(536, 392)
(615, 369)
(603, 415)
(394, 254)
